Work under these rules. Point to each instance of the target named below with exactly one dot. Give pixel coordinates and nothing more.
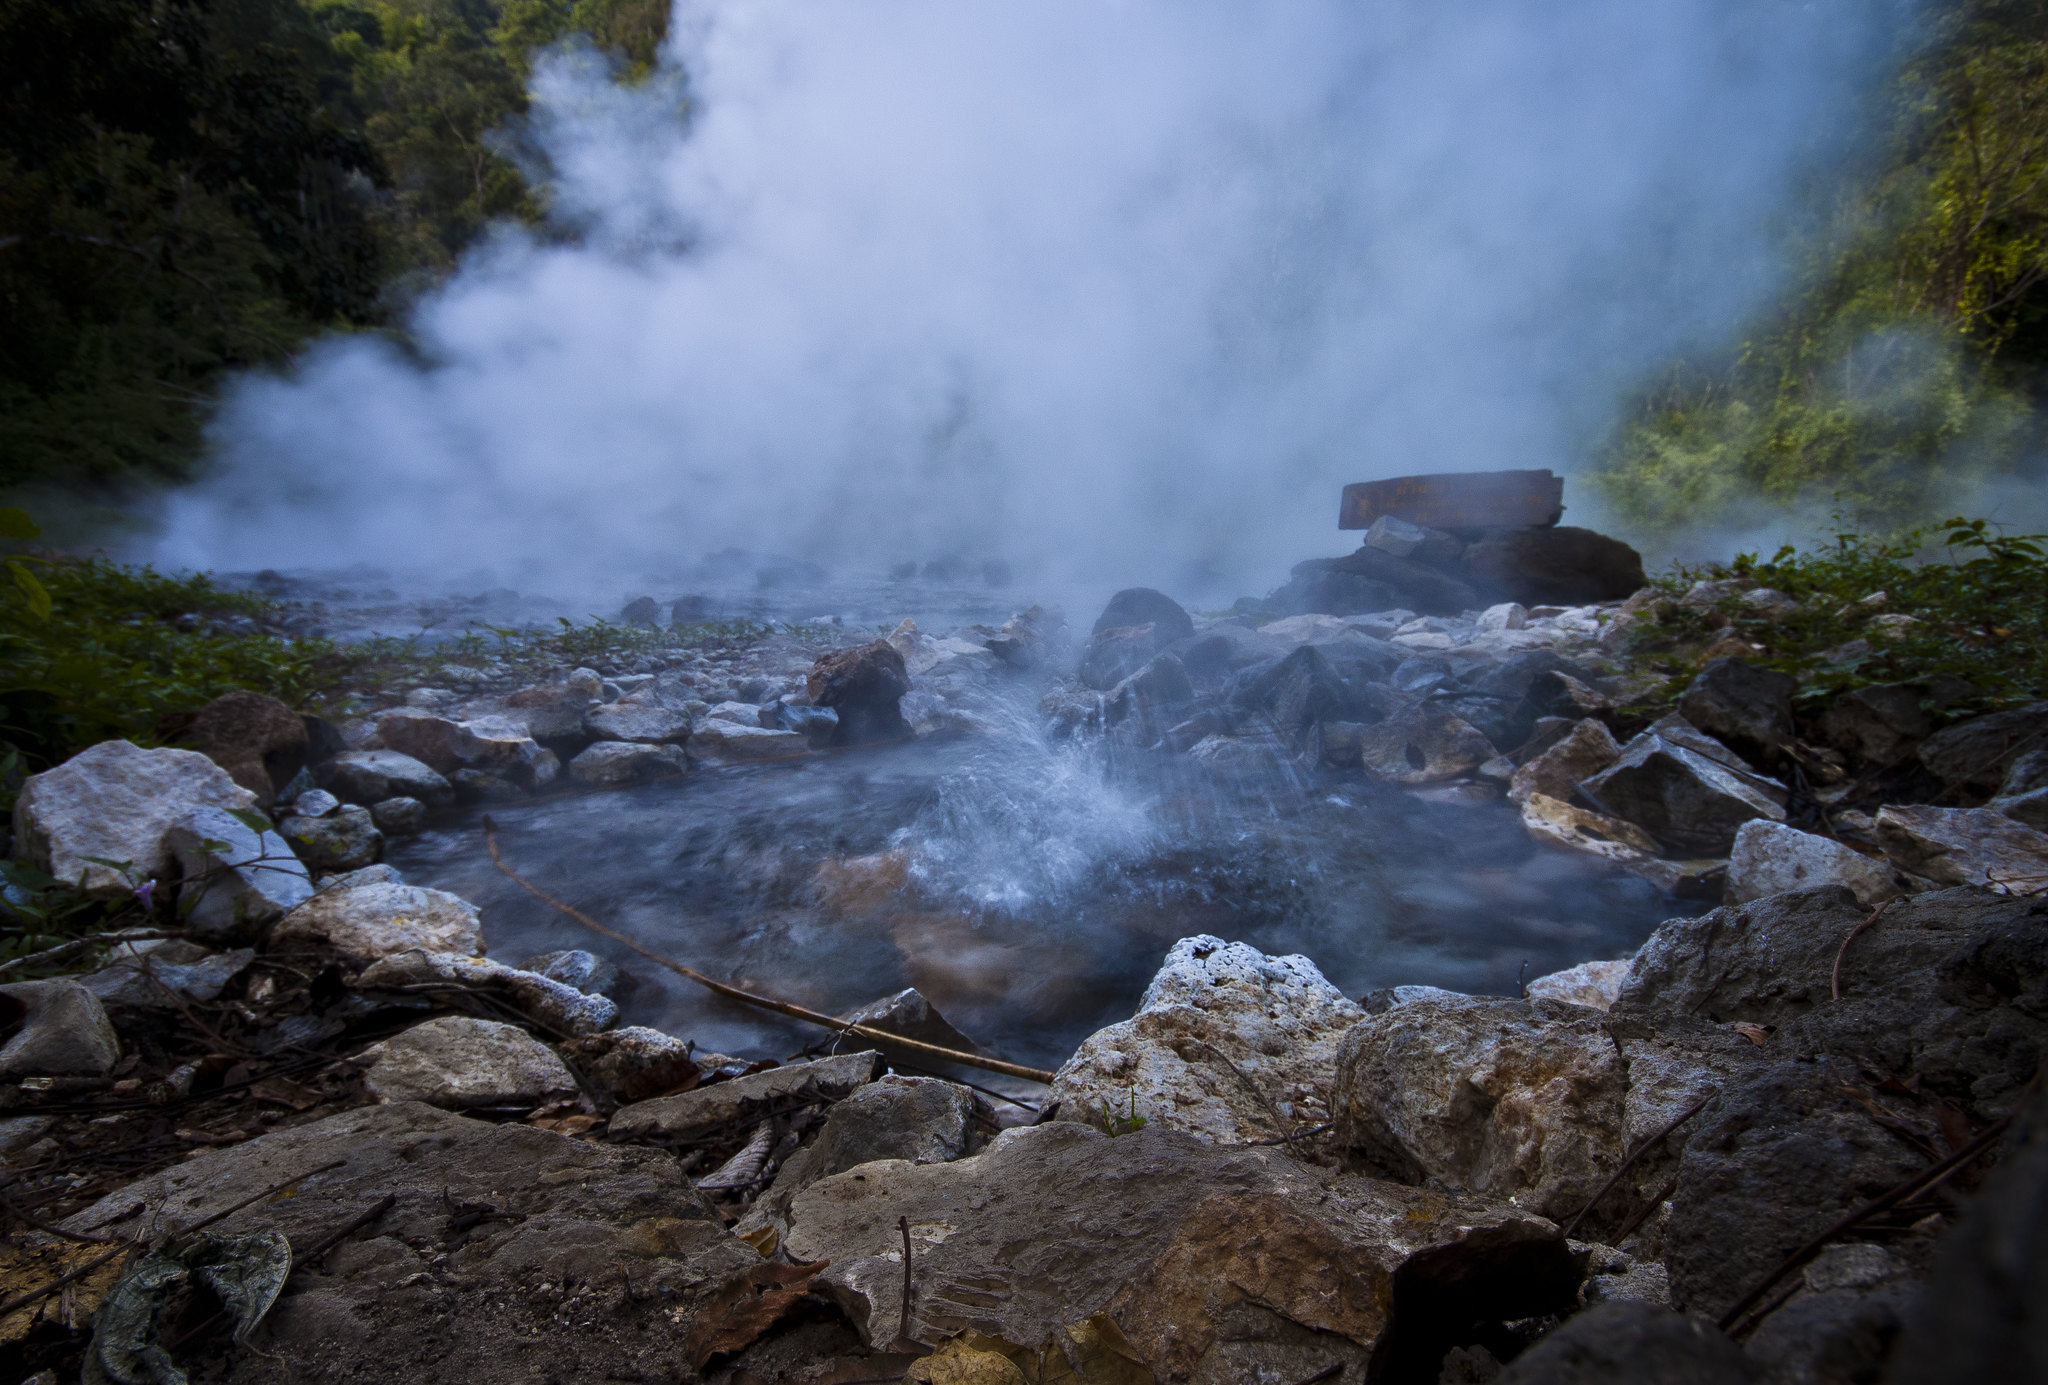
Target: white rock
(1595, 985)
(1396, 536)
(367, 922)
(371, 776)
(253, 880)
(738, 713)
(1423, 640)
(1228, 1044)
(1771, 858)
(1508, 615)
(456, 1061)
(627, 762)
(1306, 629)
(1556, 823)
(645, 722)
(314, 803)
(119, 802)
(554, 1003)
(65, 1032)
(723, 742)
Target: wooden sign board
(1458, 500)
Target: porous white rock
(235, 879)
(366, 922)
(118, 802)
(457, 1061)
(1595, 985)
(1771, 858)
(1228, 1044)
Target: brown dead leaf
(1755, 1033)
(746, 1306)
(282, 1091)
(25, 1268)
(763, 1239)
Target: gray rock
(1423, 745)
(1507, 1099)
(313, 803)
(636, 1063)
(1594, 985)
(729, 1102)
(1631, 1344)
(1671, 782)
(719, 742)
(909, 1014)
(1228, 1045)
(117, 802)
(346, 839)
(371, 776)
(383, 873)
(1965, 846)
(1743, 706)
(456, 1061)
(1292, 693)
(1771, 858)
(1563, 565)
(399, 817)
(1556, 823)
(1395, 536)
(1558, 769)
(235, 880)
(1142, 706)
(2029, 809)
(1879, 725)
(1821, 1338)
(2028, 774)
(622, 762)
(165, 976)
(864, 686)
(1207, 1264)
(552, 1004)
(1977, 754)
(585, 971)
(1615, 1277)
(921, 1119)
(64, 1031)
(496, 745)
(646, 722)
(366, 922)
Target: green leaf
(37, 594)
(15, 524)
(251, 819)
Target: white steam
(1126, 288)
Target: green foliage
(1911, 349)
(1974, 597)
(1130, 1123)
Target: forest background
(189, 188)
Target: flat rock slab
(458, 1061)
(741, 1098)
(590, 1265)
(1215, 1265)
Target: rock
(1423, 745)
(455, 1061)
(1879, 725)
(1557, 771)
(552, 1003)
(498, 746)
(1559, 824)
(346, 839)
(864, 686)
(645, 722)
(1228, 1045)
(63, 1031)
(117, 802)
(1144, 606)
(1631, 1344)
(629, 762)
(1317, 587)
(1291, 693)
(791, 1085)
(719, 742)
(1965, 846)
(1670, 782)
(545, 1277)
(2030, 809)
(371, 776)
(1982, 1315)
(164, 975)
(1976, 754)
(1841, 1334)
(1564, 566)
(1507, 615)
(908, 1013)
(1395, 536)
(366, 922)
(1210, 1264)
(919, 1119)
(383, 873)
(313, 803)
(235, 880)
(399, 817)
(642, 610)
(1771, 858)
(1143, 705)
(1595, 985)
(1747, 708)
(258, 740)
(1508, 1099)
(554, 712)
(2028, 774)
(635, 1063)
(1411, 582)
(585, 971)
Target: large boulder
(717, 741)
(1880, 724)
(258, 740)
(1144, 705)
(865, 686)
(1684, 788)
(345, 839)
(1293, 692)
(1975, 755)
(116, 802)
(1965, 846)
(1144, 606)
(1771, 858)
(1558, 770)
(1510, 1099)
(368, 777)
(1746, 708)
(1196, 1263)
(1137, 624)
(234, 880)
(1564, 566)
(1228, 1045)
(1372, 579)
(366, 922)
(457, 1061)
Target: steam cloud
(1121, 288)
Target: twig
(903, 1321)
(66, 950)
(1313, 1130)
(1640, 1150)
(1647, 1210)
(1835, 981)
(14, 1210)
(1899, 1192)
(329, 1242)
(878, 1036)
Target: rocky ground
(284, 1118)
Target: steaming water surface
(1027, 887)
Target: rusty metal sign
(1458, 500)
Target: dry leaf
(746, 1306)
(1755, 1033)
